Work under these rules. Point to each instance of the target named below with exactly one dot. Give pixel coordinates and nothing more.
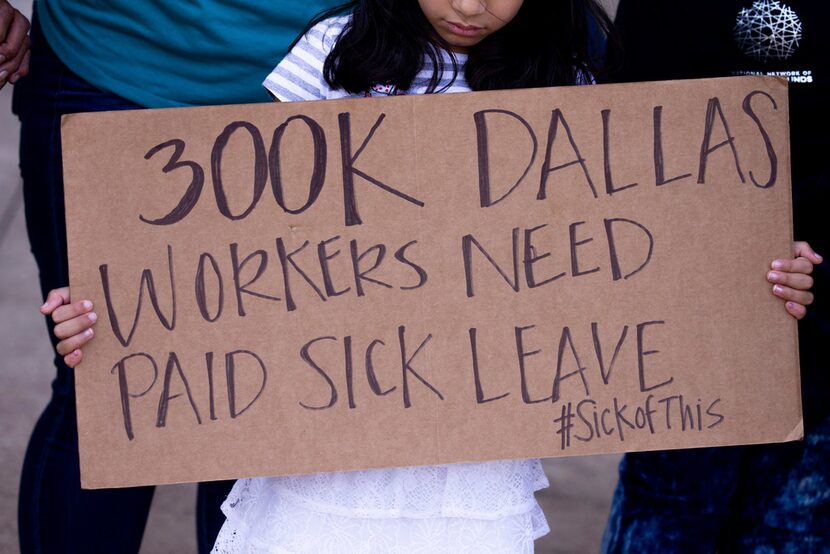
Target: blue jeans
(762, 499)
(54, 513)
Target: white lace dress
(486, 507)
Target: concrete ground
(576, 503)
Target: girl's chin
(460, 45)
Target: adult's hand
(14, 44)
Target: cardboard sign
(320, 286)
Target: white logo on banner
(769, 30)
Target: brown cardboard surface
(414, 280)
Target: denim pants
(54, 513)
(761, 499)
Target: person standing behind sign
(767, 498)
(88, 55)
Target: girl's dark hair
(548, 42)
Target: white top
(299, 76)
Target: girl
(392, 47)
(389, 47)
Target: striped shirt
(299, 76)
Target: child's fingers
(73, 358)
(798, 296)
(76, 325)
(68, 311)
(798, 281)
(804, 249)
(55, 298)
(74, 342)
(796, 310)
(798, 265)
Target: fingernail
(13, 79)
(88, 333)
(778, 289)
(777, 264)
(791, 305)
(772, 276)
(44, 305)
(819, 257)
(87, 304)
(3, 75)
(92, 316)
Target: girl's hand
(73, 323)
(792, 281)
